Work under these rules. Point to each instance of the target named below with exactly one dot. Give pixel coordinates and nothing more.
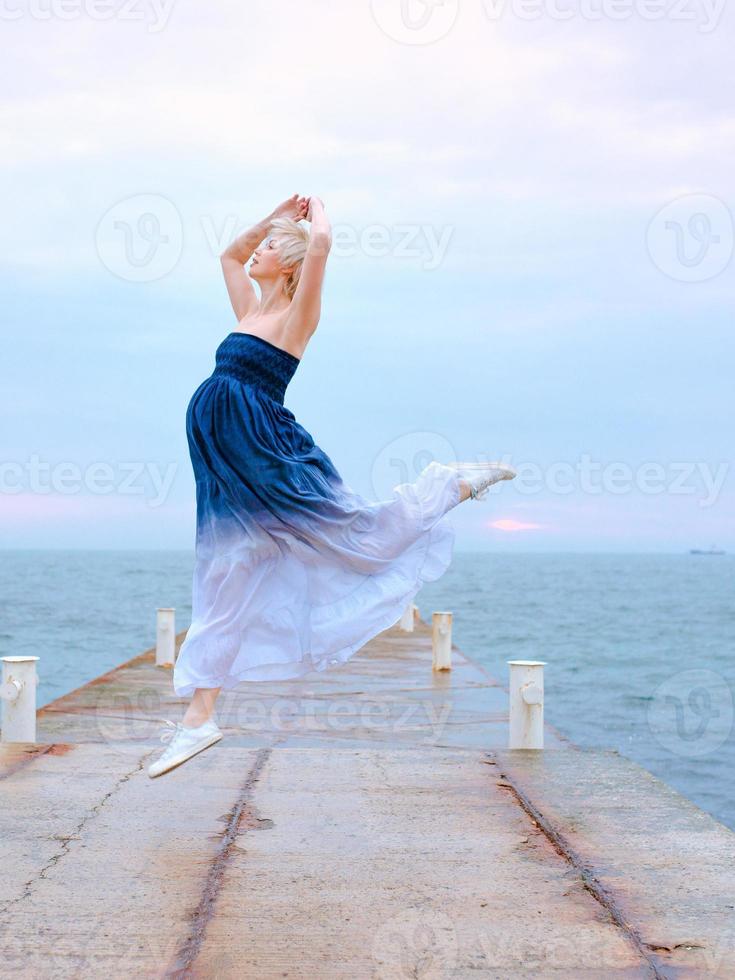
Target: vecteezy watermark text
(121, 718)
(136, 477)
(154, 14)
(403, 458)
(141, 238)
(405, 240)
(705, 13)
(590, 476)
(421, 22)
(585, 475)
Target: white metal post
(407, 619)
(441, 640)
(18, 695)
(526, 709)
(165, 636)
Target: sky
(532, 210)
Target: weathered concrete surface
(660, 863)
(366, 822)
(289, 862)
(401, 864)
(102, 867)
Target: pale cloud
(259, 85)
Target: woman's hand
(313, 202)
(294, 207)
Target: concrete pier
(364, 822)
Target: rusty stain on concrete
(662, 866)
(20, 754)
(147, 656)
(189, 950)
(586, 873)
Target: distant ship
(710, 551)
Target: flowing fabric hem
(438, 547)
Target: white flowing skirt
(269, 605)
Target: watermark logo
(140, 239)
(691, 238)
(123, 722)
(416, 943)
(403, 459)
(691, 713)
(415, 21)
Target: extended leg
(464, 490)
(479, 477)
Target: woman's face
(265, 263)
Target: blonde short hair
(293, 240)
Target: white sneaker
(184, 743)
(481, 476)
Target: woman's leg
(201, 706)
(464, 490)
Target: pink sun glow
(511, 525)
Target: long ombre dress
(294, 571)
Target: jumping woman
(294, 571)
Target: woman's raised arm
(303, 316)
(239, 288)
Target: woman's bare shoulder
(278, 330)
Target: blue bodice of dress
(255, 360)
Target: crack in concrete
(66, 840)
